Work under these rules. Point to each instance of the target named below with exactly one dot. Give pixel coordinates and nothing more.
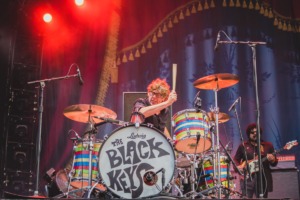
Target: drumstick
(174, 76)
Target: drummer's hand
(172, 97)
(271, 158)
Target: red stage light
(79, 2)
(47, 17)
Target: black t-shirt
(159, 121)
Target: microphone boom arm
(53, 79)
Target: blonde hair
(159, 86)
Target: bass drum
(136, 162)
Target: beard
(253, 139)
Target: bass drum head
(136, 162)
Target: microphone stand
(40, 110)
(228, 168)
(253, 45)
(245, 154)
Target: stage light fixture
(79, 2)
(47, 17)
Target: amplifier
(285, 184)
(285, 162)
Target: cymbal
(223, 117)
(216, 81)
(86, 112)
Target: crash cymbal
(216, 81)
(85, 113)
(223, 117)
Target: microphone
(198, 138)
(163, 178)
(234, 103)
(197, 102)
(79, 76)
(110, 120)
(205, 176)
(227, 146)
(150, 178)
(78, 138)
(161, 170)
(98, 124)
(217, 41)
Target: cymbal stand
(217, 146)
(212, 129)
(90, 148)
(42, 84)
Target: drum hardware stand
(252, 45)
(194, 166)
(169, 187)
(90, 148)
(42, 84)
(70, 174)
(217, 147)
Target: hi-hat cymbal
(85, 113)
(223, 117)
(216, 81)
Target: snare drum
(183, 161)
(81, 165)
(136, 162)
(188, 124)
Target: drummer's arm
(155, 109)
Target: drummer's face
(155, 98)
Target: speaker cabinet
(285, 184)
(128, 100)
(18, 182)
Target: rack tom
(188, 124)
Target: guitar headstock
(290, 144)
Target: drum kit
(140, 162)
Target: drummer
(154, 109)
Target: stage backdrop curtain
(151, 37)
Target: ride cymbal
(86, 112)
(216, 81)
